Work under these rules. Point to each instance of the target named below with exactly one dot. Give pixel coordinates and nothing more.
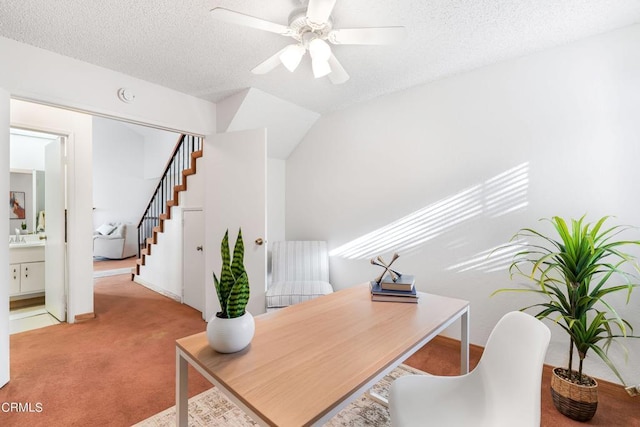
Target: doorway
(125, 156)
(37, 248)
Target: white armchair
(503, 389)
(115, 241)
(299, 272)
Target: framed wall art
(16, 205)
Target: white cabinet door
(193, 275)
(14, 279)
(32, 277)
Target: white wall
(128, 161)
(286, 123)
(158, 146)
(37, 74)
(555, 133)
(27, 152)
(120, 192)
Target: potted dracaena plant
(232, 328)
(571, 271)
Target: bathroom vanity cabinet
(26, 270)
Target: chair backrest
(511, 368)
(299, 261)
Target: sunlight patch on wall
(497, 196)
(507, 192)
(498, 258)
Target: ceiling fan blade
(338, 75)
(238, 18)
(268, 65)
(318, 11)
(373, 36)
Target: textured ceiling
(178, 45)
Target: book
(404, 283)
(391, 295)
(394, 298)
(377, 289)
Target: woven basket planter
(575, 401)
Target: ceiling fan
(312, 28)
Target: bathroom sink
(27, 244)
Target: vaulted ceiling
(178, 45)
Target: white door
(235, 172)
(55, 245)
(193, 277)
(4, 236)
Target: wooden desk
(308, 361)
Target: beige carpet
(212, 408)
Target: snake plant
(233, 286)
(571, 271)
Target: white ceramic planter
(230, 335)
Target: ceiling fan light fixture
(291, 56)
(319, 50)
(320, 68)
(320, 53)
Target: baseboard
(608, 386)
(455, 344)
(157, 289)
(115, 272)
(84, 317)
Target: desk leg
(464, 343)
(182, 412)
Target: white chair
(299, 272)
(503, 389)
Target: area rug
(212, 408)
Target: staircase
(181, 164)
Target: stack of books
(402, 290)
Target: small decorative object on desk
(392, 285)
(387, 267)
